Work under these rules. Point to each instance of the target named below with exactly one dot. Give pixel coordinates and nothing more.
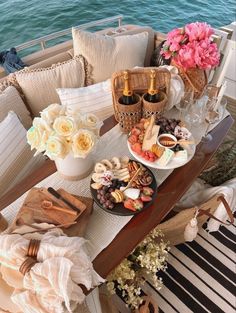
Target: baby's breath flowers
(149, 257)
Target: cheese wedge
(166, 157)
(181, 156)
(151, 134)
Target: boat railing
(43, 40)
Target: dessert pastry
(106, 178)
(182, 133)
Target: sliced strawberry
(147, 191)
(129, 204)
(138, 204)
(145, 198)
(133, 139)
(143, 154)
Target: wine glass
(215, 109)
(185, 103)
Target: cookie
(116, 163)
(96, 186)
(100, 168)
(96, 177)
(107, 163)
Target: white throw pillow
(17, 159)
(10, 100)
(96, 99)
(107, 55)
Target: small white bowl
(167, 137)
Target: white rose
(82, 143)
(64, 126)
(52, 112)
(33, 137)
(41, 125)
(92, 121)
(57, 147)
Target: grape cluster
(104, 194)
(167, 125)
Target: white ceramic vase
(71, 168)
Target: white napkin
(200, 192)
(52, 284)
(176, 87)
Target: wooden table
(140, 225)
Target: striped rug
(200, 276)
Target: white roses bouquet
(58, 132)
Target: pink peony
(206, 54)
(198, 31)
(185, 56)
(191, 47)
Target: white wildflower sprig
(149, 257)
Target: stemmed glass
(215, 110)
(185, 103)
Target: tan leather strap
(228, 210)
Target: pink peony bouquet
(192, 47)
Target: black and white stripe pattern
(200, 276)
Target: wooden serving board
(32, 212)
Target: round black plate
(119, 208)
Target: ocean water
(24, 20)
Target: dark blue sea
(24, 20)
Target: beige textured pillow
(39, 85)
(10, 100)
(110, 54)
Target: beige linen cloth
(52, 285)
(200, 192)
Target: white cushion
(17, 159)
(107, 54)
(10, 100)
(96, 99)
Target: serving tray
(31, 211)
